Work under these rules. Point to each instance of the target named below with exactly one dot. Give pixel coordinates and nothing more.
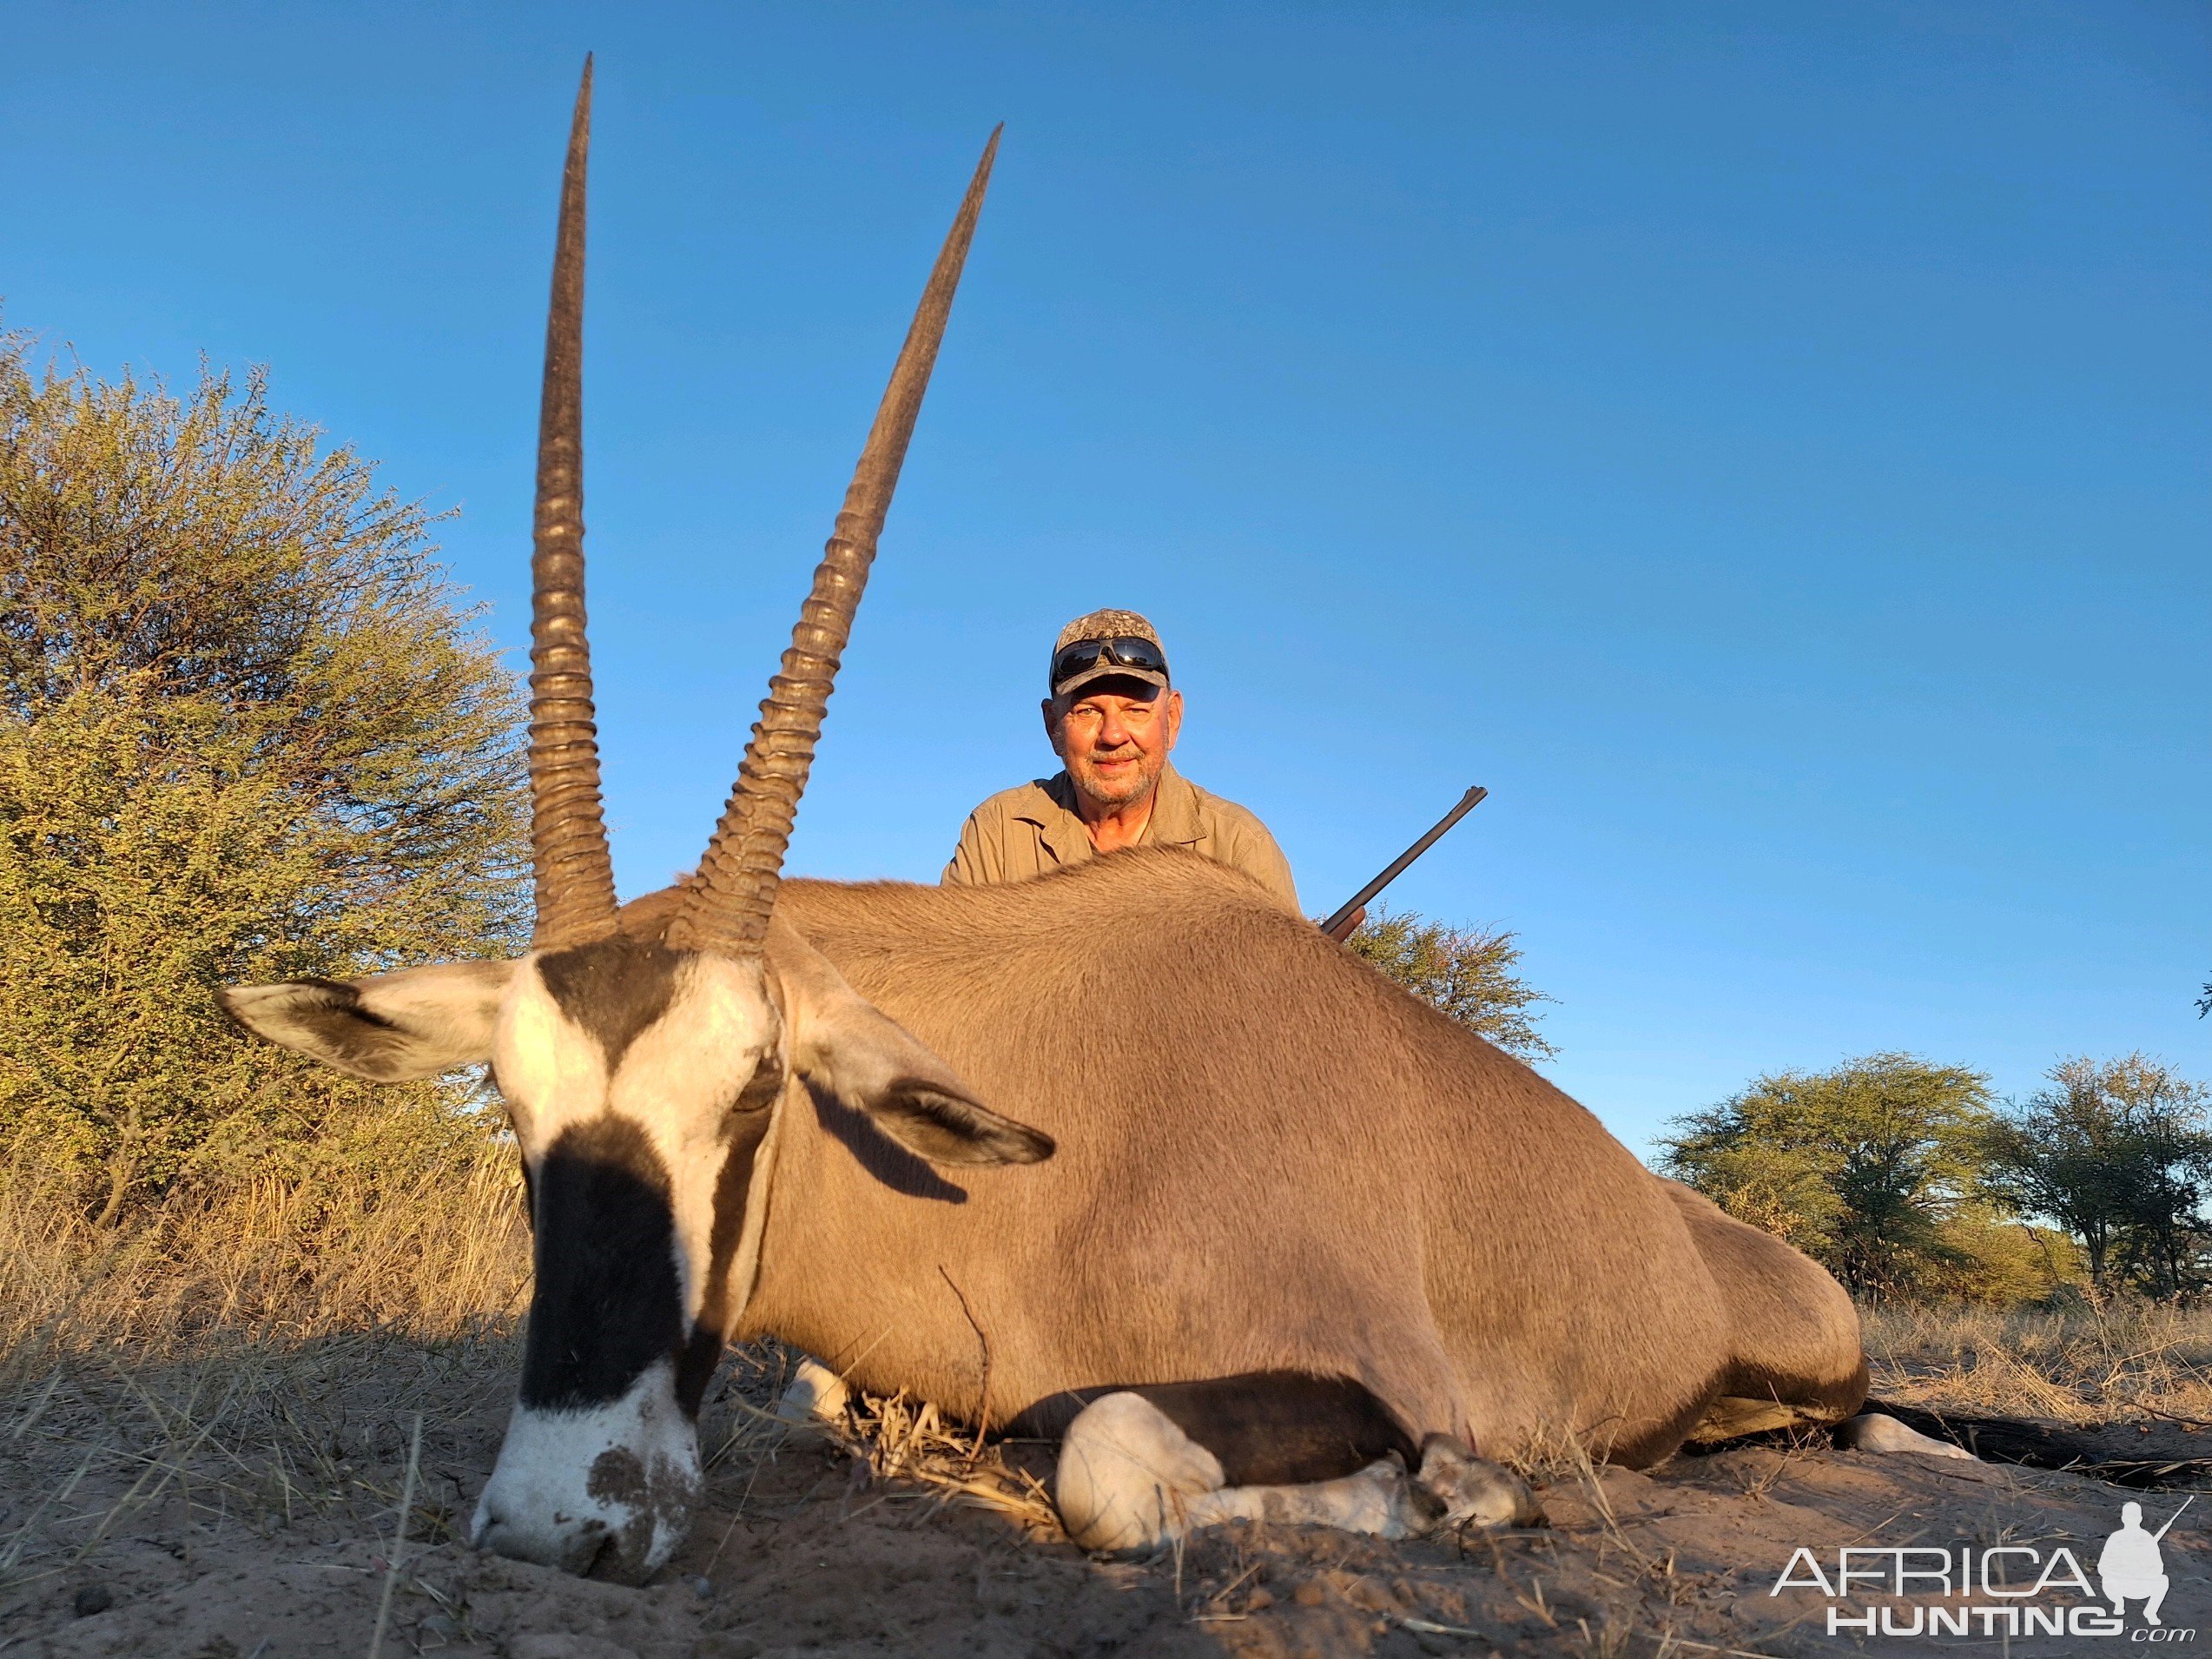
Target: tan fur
(1269, 1158)
(1782, 1307)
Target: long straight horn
(733, 892)
(568, 834)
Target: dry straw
(901, 1451)
(2095, 1361)
(244, 1353)
(398, 1540)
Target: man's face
(1114, 744)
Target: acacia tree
(247, 733)
(1863, 1167)
(2119, 1153)
(1466, 973)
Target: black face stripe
(528, 1195)
(694, 1368)
(732, 1188)
(612, 988)
(1268, 1428)
(606, 1304)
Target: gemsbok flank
(1271, 1238)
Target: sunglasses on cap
(1124, 651)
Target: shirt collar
(1174, 821)
(1049, 803)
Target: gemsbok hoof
(1473, 1491)
(815, 1400)
(1873, 1432)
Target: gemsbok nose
(604, 1490)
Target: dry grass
(253, 1355)
(2097, 1362)
(902, 1442)
(244, 1358)
(255, 1359)
(901, 1449)
(441, 1255)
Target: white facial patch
(572, 1485)
(551, 1074)
(676, 1083)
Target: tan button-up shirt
(1026, 831)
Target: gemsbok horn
(568, 829)
(733, 893)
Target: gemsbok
(1271, 1238)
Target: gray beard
(1144, 787)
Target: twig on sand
(167, 1468)
(398, 1540)
(2170, 1417)
(18, 1543)
(1668, 1637)
(1429, 1627)
(983, 1406)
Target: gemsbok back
(1271, 1238)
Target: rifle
(1339, 927)
(2170, 1519)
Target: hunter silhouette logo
(2131, 1565)
(1999, 1589)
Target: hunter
(1111, 717)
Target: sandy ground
(226, 1512)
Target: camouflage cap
(1105, 625)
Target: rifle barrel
(1396, 866)
(2175, 1516)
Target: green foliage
(245, 735)
(1865, 1168)
(1996, 1259)
(2119, 1154)
(1466, 972)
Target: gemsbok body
(1252, 1230)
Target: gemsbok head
(641, 1077)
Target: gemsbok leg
(1142, 1467)
(1877, 1431)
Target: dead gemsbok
(1271, 1238)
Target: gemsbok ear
(417, 1022)
(844, 1044)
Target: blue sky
(1769, 447)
